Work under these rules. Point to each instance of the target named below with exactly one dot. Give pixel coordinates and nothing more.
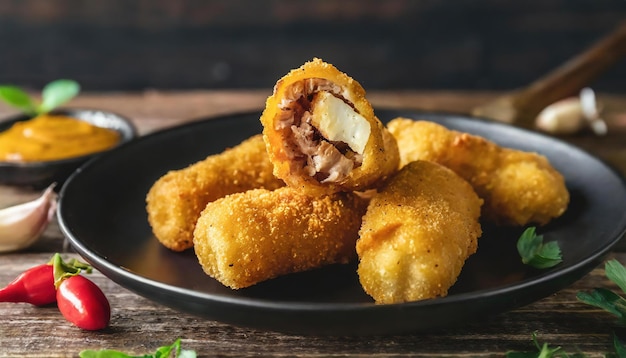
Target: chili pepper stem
(63, 270)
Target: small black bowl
(43, 173)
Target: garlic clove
(589, 108)
(562, 117)
(571, 115)
(588, 104)
(598, 126)
(21, 225)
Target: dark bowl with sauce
(39, 174)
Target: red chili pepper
(34, 286)
(80, 300)
(83, 303)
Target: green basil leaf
(56, 93)
(17, 98)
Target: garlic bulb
(572, 114)
(21, 225)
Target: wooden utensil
(521, 106)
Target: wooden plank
(138, 325)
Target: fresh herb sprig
(602, 298)
(606, 299)
(53, 95)
(161, 352)
(535, 252)
(545, 351)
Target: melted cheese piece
(338, 122)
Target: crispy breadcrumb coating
(417, 233)
(322, 134)
(246, 238)
(518, 187)
(175, 201)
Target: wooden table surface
(139, 326)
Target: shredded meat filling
(325, 160)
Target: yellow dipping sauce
(53, 137)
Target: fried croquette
(322, 135)
(518, 187)
(175, 200)
(249, 237)
(417, 233)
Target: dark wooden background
(390, 44)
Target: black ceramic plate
(42, 174)
(102, 212)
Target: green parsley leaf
(606, 299)
(544, 351)
(535, 252)
(161, 352)
(616, 273)
(600, 297)
(620, 348)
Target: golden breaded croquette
(322, 135)
(518, 187)
(417, 233)
(175, 200)
(249, 237)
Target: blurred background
(391, 44)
